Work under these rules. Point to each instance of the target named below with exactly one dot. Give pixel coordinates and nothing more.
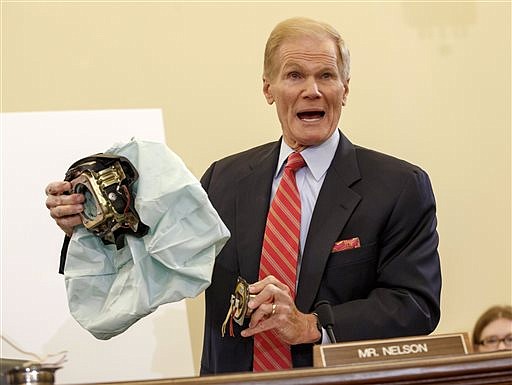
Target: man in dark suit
(387, 283)
(368, 241)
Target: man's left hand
(273, 308)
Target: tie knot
(295, 161)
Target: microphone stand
(326, 318)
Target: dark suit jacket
(388, 287)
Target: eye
(328, 75)
(490, 340)
(293, 75)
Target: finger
(271, 294)
(58, 188)
(261, 313)
(67, 223)
(265, 296)
(64, 200)
(267, 322)
(64, 211)
(256, 287)
(260, 327)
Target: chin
(311, 136)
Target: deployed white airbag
(109, 289)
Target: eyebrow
(291, 66)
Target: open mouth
(310, 116)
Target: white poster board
(37, 148)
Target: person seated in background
(493, 330)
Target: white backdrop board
(37, 148)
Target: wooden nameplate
(390, 349)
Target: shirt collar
(317, 158)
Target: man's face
(307, 89)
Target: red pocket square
(346, 244)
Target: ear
(267, 91)
(345, 94)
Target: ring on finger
(273, 309)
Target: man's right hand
(64, 208)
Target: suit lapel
(333, 208)
(252, 203)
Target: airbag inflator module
(107, 184)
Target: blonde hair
(298, 27)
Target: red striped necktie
(279, 258)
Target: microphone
(326, 318)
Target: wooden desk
(480, 368)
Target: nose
(311, 90)
(502, 345)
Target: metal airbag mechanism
(238, 306)
(107, 183)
